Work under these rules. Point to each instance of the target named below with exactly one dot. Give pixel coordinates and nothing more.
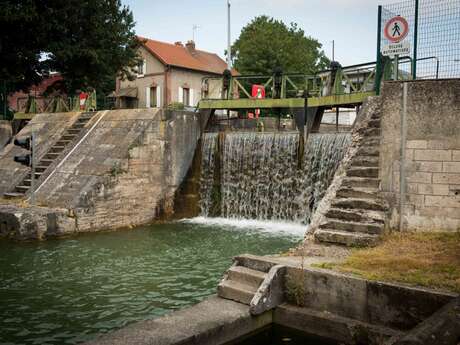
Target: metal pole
(402, 167)
(378, 67)
(333, 50)
(396, 67)
(229, 42)
(414, 61)
(337, 119)
(32, 178)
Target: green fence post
(378, 66)
(414, 61)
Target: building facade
(169, 73)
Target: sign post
(395, 31)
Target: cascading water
(259, 176)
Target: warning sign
(396, 29)
(392, 49)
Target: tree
(89, 42)
(266, 43)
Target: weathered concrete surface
(432, 154)
(328, 325)
(271, 292)
(6, 133)
(214, 321)
(377, 303)
(122, 171)
(442, 328)
(34, 223)
(48, 129)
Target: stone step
(374, 123)
(27, 182)
(69, 137)
(358, 193)
(52, 155)
(37, 175)
(246, 275)
(343, 225)
(13, 195)
(45, 162)
(40, 168)
(356, 215)
(350, 239)
(370, 132)
(363, 172)
(73, 131)
(361, 204)
(63, 142)
(22, 189)
(79, 125)
(361, 182)
(368, 151)
(236, 291)
(57, 148)
(365, 161)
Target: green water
(67, 291)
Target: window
(186, 96)
(153, 97)
(141, 68)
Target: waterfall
(261, 176)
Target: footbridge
(305, 97)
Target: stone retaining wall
(432, 155)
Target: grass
(420, 259)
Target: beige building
(170, 73)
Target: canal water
(69, 290)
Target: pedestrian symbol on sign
(396, 29)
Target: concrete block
(442, 201)
(438, 144)
(451, 167)
(419, 177)
(439, 212)
(446, 178)
(432, 155)
(417, 144)
(415, 199)
(433, 189)
(410, 154)
(429, 166)
(456, 155)
(412, 188)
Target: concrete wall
(123, 173)
(5, 133)
(432, 141)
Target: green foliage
(176, 106)
(88, 42)
(266, 43)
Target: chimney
(178, 43)
(190, 46)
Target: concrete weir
(333, 306)
(118, 169)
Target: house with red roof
(169, 73)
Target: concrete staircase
(357, 214)
(50, 157)
(240, 284)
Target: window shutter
(144, 69)
(192, 98)
(181, 95)
(158, 97)
(147, 97)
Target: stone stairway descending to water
(356, 216)
(241, 284)
(52, 155)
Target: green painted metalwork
(336, 100)
(252, 103)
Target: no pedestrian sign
(395, 31)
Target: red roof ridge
(180, 56)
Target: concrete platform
(214, 321)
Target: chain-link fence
(434, 35)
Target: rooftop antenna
(194, 29)
(229, 47)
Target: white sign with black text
(392, 49)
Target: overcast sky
(351, 23)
